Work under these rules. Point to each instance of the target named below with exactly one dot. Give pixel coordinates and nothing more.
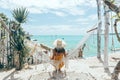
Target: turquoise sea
(73, 40)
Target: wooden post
(99, 29)
(106, 36)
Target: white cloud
(58, 13)
(92, 17)
(56, 30)
(60, 8)
(34, 10)
(76, 11)
(91, 3)
(43, 6)
(82, 20)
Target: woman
(59, 54)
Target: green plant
(20, 15)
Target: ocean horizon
(73, 40)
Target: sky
(55, 17)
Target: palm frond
(20, 14)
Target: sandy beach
(78, 69)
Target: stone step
(63, 76)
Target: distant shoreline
(68, 35)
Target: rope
(73, 52)
(113, 47)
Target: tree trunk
(99, 29)
(17, 60)
(117, 68)
(115, 28)
(116, 71)
(106, 36)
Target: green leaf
(115, 16)
(20, 14)
(112, 1)
(3, 37)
